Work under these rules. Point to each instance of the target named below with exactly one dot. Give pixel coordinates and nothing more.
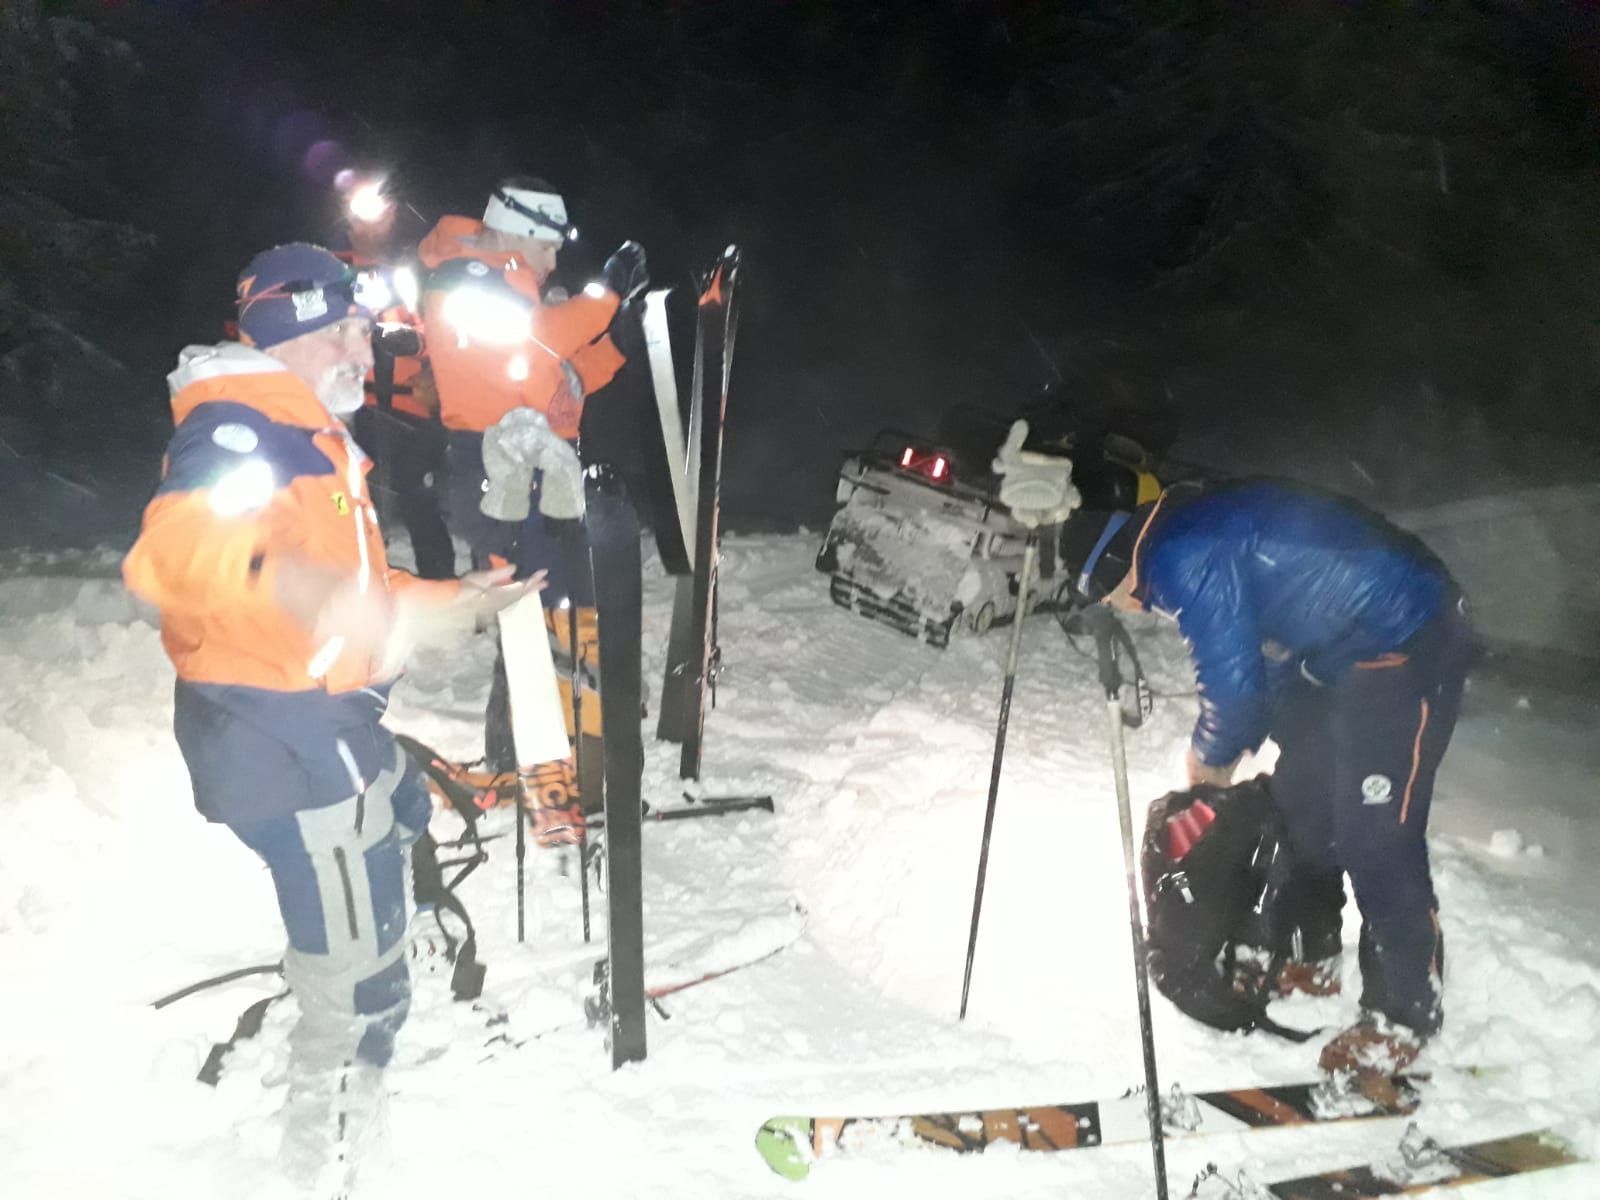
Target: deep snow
(876, 749)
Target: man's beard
(342, 389)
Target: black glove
(625, 272)
(627, 330)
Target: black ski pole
(1103, 622)
(1030, 551)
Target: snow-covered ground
(876, 751)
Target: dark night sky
(1352, 241)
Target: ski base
(790, 1145)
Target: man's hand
(1201, 772)
(485, 593)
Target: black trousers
(409, 467)
(536, 543)
(1354, 785)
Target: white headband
(524, 213)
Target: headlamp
(372, 291)
(338, 294)
(542, 213)
(368, 204)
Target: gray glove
(514, 447)
(1037, 488)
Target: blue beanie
(293, 289)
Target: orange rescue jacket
(565, 355)
(407, 393)
(256, 468)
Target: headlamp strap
(537, 216)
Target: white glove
(514, 447)
(1037, 488)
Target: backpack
(1210, 890)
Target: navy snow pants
(341, 874)
(1354, 783)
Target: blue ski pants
(1354, 783)
(341, 874)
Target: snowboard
(790, 1144)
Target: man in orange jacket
(501, 337)
(261, 550)
(399, 426)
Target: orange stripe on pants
(1416, 762)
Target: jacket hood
(244, 375)
(457, 237)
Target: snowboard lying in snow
(1419, 1166)
(791, 1144)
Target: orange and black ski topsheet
(550, 792)
(1436, 1166)
(791, 1144)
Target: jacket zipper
(349, 891)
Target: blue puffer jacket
(1265, 577)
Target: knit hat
(293, 289)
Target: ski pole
(1030, 551)
(1103, 623)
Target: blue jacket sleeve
(1203, 586)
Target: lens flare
(368, 203)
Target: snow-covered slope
(876, 750)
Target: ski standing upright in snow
(692, 654)
(612, 530)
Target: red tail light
(930, 464)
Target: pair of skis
(791, 1145)
(694, 469)
(611, 535)
(611, 526)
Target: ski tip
(785, 1144)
